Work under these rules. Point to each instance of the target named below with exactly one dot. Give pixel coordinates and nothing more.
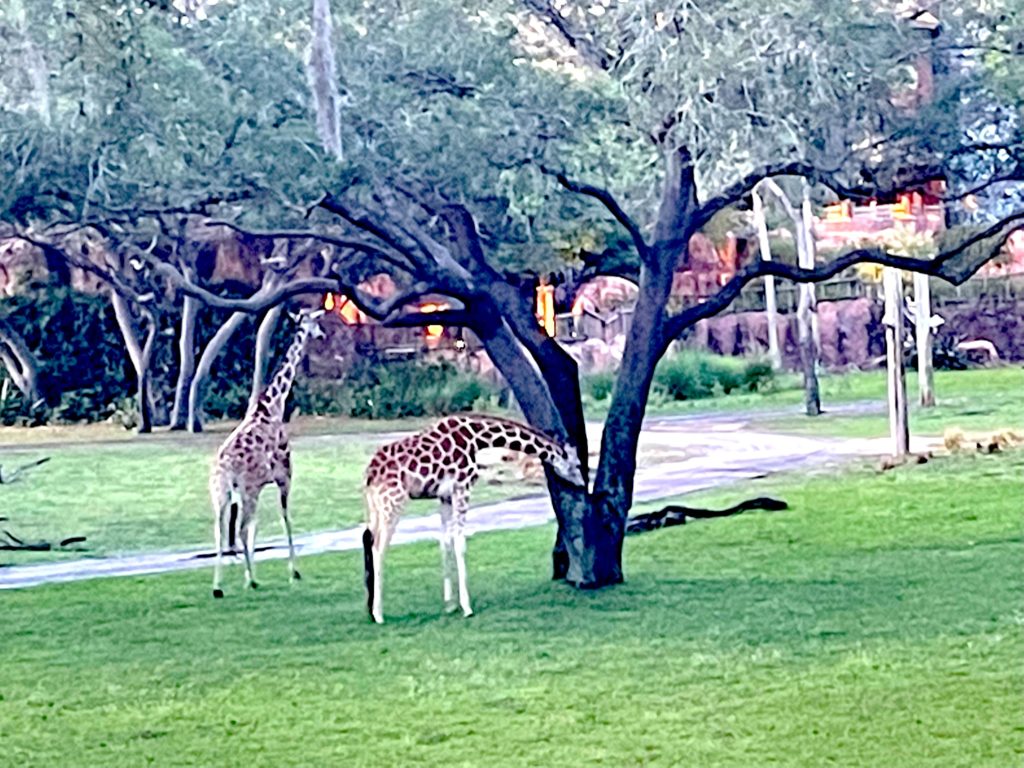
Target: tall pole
(771, 308)
(899, 431)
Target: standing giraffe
(440, 463)
(256, 454)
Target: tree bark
(899, 429)
(20, 363)
(923, 329)
(807, 312)
(140, 355)
(261, 362)
(197, 389)
(186, 363)
(771, 310)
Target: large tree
(479, 138)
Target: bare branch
(263, 299)
(576, 38)
(940, 266)
(608, 200)
(352, 244)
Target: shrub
(599, 386)
(378, 389)
(691, 375)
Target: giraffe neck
(489, 432)
(276, 393)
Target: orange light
(329, 302)
(546, 308)
(434, 331)
(350, 313)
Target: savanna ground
(878, 621)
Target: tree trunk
(923, 328)
(899, 429)
(771, 310)
(197, 389)
(807, 313)
(264, 337)
(186, 362)
(140, 355)
(20, 363)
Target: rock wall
(852, 333)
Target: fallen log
(5, 480)
(11, 543)
(675, 514)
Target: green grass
(151, 493)
(974, 400)
(877, 622)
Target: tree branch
(939, 266)
(608, 200)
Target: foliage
(690, 375)
(883, 623)
(84, 371)
(376, 388)
(600, 385)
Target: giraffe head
(566, 464)
(308, 321)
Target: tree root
(679, 515)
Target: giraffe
(440, 463)
(256, 454)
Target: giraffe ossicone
(440, 463)
(254, 455)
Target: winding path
(717, 450)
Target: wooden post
(892, 284)
(923, 329)
(771, 308)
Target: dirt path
(715, 451)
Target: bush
(599, 386)
(378, 389)
(691, 375)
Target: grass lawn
(975, 400)
(877, 622)
(151, 493)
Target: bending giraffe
(256, 454)
(440, 463)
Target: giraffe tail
(368, 567)
(233, 523)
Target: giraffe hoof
(218, 593)
(451, 608)
(467, 612)
(296, 576)
(254, 585)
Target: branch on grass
(679, 515)
(18, 471)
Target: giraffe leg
(220, 533)
(283, 487)
(248, 527)
(220, 497)
(460, 503)
(447, 555)
(381, 539)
